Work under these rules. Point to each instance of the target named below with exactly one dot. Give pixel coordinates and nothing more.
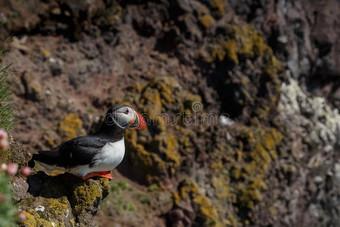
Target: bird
(94, 154)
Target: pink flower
(4, 144)
(26, 171)
(3, 140)
(3, 134)
(2, 198)
(21, 216)
(3, 166)
(12, 169)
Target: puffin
(94, 154)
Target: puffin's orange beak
(138, 122)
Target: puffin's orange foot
(106, 174)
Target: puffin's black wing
(78, 151)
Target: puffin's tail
(41, 156)
(47, 161)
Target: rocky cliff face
(270, 66)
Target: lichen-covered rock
(238, 51)
(86, 198)
(71, 126)
(189, 195)
(156, 150)
(62, 200)
(45, 211)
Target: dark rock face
(270, 66)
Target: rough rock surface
(271, 66)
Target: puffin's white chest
(112, 154)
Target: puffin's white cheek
(122, 120)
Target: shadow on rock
(41, 184)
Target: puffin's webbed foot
(106, 174)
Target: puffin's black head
(124, 117)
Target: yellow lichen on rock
(206, 20)
(71, 127)
(250, 193)
(217, 53)
(58, 206)
(54, 210)
(272, 64)
(241, 41)
(218, 7)
(30, 220)
(207, 213)
(231, 50)
(167, 145)
(189, 190)
(88, 192)
(161, 157)
(221, 187)
(262, 143)
(152, 100)
(156, 94)
(157, 150)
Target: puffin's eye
(126, 111)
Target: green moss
(118, 187)
(71, 127)
(153, 187)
